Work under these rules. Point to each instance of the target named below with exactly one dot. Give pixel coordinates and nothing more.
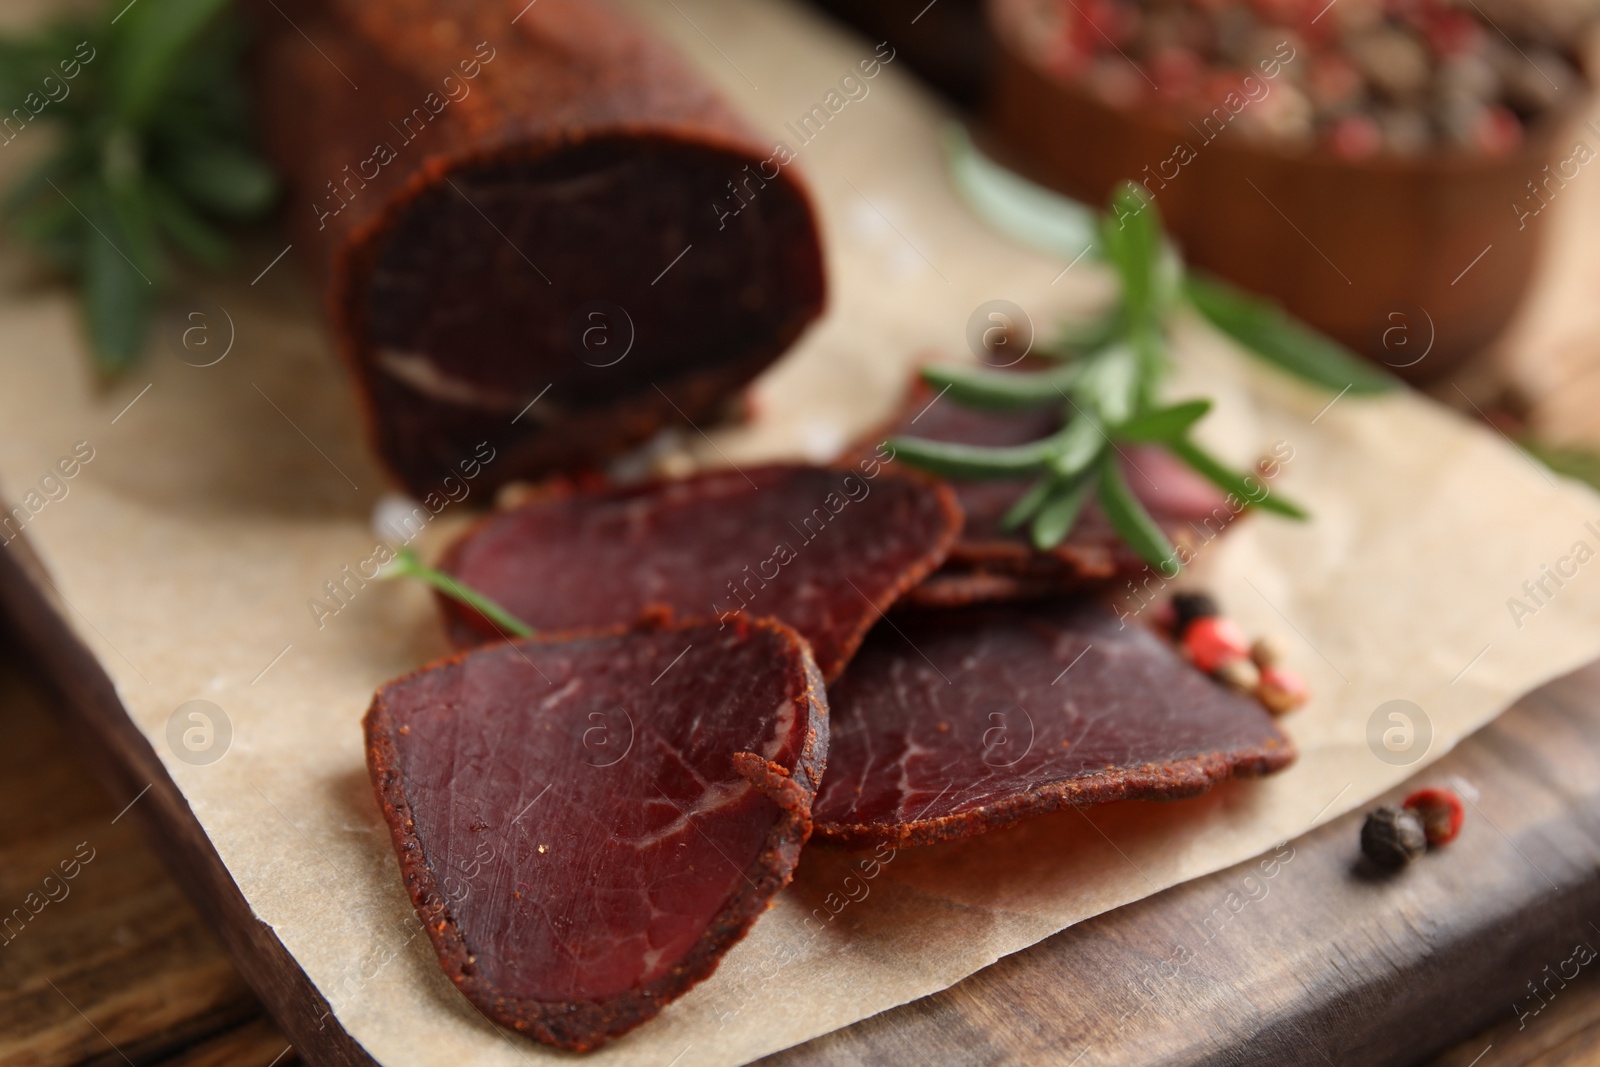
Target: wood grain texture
(110, 962)
(1567, 1034)
(128, 770)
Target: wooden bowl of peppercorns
(1378, 166)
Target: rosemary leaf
(1003, 389)
(154, 149)
(1029, 503)
(406, 564)
(1149, 349)
(1082, 339)
(1163, 424)
(1060, 513)
(117, 301)
(1081, 442)
(1129, 518)
(1131, 234)
(1580, 463)
(191, 232)
(148, 40)
(1021, 210)
(1109, 387)
(1282, 341)
(223, 178)
(1218, 474)
(134, 234)
(975, 462)
(1046, 220)
(1118, 361)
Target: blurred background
(1423, 161)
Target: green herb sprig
(1109, 373)
(407, 564)
(1580, 464)
(154, 153)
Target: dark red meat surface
(508, 202)
(826, 550)
(956, 722)
(585, 824)
(988, 563)
(958, 586)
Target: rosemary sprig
(407, 564)
(1582, 464)
(1061, 226)
(154, 153)
(1108, 373)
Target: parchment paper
(220, 499)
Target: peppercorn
(1212, 641)
(1441, 813)
(1393, 837)
(1355, 137)
(1374, 76)
(1267, 652)
(1281, 690)
(1191, 606)
(1239, 674)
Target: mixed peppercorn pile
(1358, 77)
(1217, 646)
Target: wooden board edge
(126, 765)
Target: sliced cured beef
(827, 550)
(956, 586)
(528, 201)
(586, 824)
(953, 723)
(990, 563)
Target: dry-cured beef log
(825, 549)
(528, 201)
(958, 722)
(586, 824)
(989, 563)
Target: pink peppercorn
(1177, 71)
(1498, 132)
(1334, 81)
(1066, 57)
(1441, 813)
(1118, 22)
(1284, 12)
(1355, 137)
(1281, 690)
(1213, 640)
(1453, 33)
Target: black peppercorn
(1187, 607)
(1393, 837)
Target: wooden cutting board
(1329, 961)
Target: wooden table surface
(115, 967)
